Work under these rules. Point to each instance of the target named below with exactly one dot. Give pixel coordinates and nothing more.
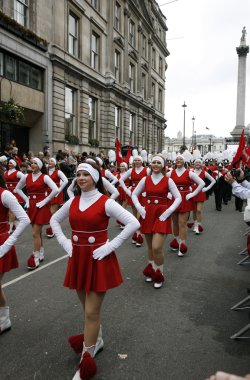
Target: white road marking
(33, 272)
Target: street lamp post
(193, 141)
(184, 106)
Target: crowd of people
(42, 190)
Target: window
(20, 11)
(144, 134)
(153, 93)
(131, 75)
(143, 86)
(73, 35)
(144, 46)
(11, 68)
(153, 58)
(132, 128)
(1, 64)
(132, 33)
(118, 123)
(95, 53)
(93, 135)
(24, 73)
(160, 100)
(160, 67)
(70, 122)
(117, 16)
(117, 66)
(95, 4)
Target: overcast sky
(203, 64)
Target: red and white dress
(61, 181)
(89, 215)
(12, 177)
(201, 196)
(135, 175)
(8, 257)
(122, 194)
(157, 204)
(37, 186)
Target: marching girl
(61, 182)
(106, 173)
(201, 197)
(123, 197)
(183, 179)
(12, 177)
(8, 258)
(156, 221)
(92, 267)
(135, 174)
(110, 189)
(37, 203)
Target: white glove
(68, 247)
(189, 196)
(27, 204)
(204, 189)
(169, 196)
(102, 251)
(128, 192)
(41, 204)
(2, 253)
(163, 216)
(141, 211)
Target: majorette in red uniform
(183, 179)
(61, 182)
(92, 267)
(12, 177)
(135, 174)
(201, 197)
(106, 173)
(155, 216)
(37, 204)
(8, 258)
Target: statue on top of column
(243, 37)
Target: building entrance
(19, 133)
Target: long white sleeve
(123, 178)
(10, 202)
(246, 184)
(239, 191)
(177, 200)
(111, 177)
(21, 184)
(50, 183)
(70, 189)
(114, 193)
(63, 181)
(113, 209)
(55, 221)
(212, 182)
(137, 191)
(195, 178)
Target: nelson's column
(242, 52)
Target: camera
(235, 172)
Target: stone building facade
(103, 72)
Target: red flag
(128, 155)
(118, 153)
(239, 153)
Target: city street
(181, 331)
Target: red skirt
(152, 224)
(200, 197)
(85, 273)
(122, 195)
(39, 215)
(8, 261)
(58, 200)
(185, 205)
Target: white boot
(5, 323)
(195, 228)
(91, 351)
(99, 343)
(41, 254)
